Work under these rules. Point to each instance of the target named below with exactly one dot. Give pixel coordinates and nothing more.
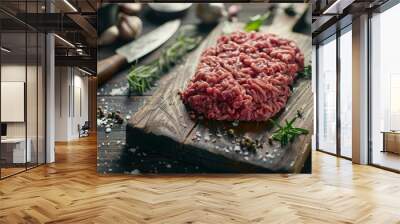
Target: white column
(360, 90)
(50, 100)
(314, 90)
(50, 92)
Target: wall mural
(204, 88)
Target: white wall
(33, 126)
(13, 101)
(70, 83)
(9, 73)
(80, 89)
(61, 104)
(12, 73)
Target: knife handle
(106, 68)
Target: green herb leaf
(306, 73)
(301, 130)
(287, 133)
(292, 121)
(141, 78)
(275, 123)
(256, 22)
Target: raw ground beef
(246, 76)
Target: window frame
(338, 34)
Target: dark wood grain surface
(117, 153)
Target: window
(346, 92)
(334, 106)
(327, 96)
(385, 89)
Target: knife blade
(136, 49)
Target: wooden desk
(391, 141)
(13, 150)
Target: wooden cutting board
(163, 124)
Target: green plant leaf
(275, 123)
(141, 78)
(306, 73)
(287, 133)
(256, 22)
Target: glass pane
(385, 84)
(31, 87)
(346, 94)
(327, 96)
(23, 79)
(31, 98)
(13, 87)
(41, 99)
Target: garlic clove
(210, 13)
(109, 36)
(233, 11)
(130, 27)
(130, 8)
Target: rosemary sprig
(141, 78)
(306, 73)
(256, 22)
(288, 132)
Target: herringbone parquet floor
(70, 191)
